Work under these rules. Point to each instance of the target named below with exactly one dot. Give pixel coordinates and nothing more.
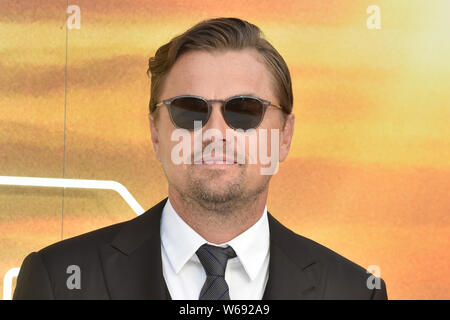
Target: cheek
(267, 146)
(174, 167)
(166, 148)
(166, 130)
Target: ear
(154, 135)
(286, 136)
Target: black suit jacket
(123, 261)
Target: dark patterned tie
(214, 261)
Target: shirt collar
(180, 242)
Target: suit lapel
(132, 263)
(293, 273)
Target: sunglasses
(239, 112)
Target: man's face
(219, 75)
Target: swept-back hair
(220, 34)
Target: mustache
(225, 149)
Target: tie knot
(214, 259)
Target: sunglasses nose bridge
(216, 119)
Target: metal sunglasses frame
(263, 102)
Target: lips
(218, 160)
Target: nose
(218, 132)
(216, 120)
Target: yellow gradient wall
(368, 174)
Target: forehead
(219, 74)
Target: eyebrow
(251, 94)
(243, 94)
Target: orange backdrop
(369, 170)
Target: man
(215, 90)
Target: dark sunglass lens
(243, 113)
(186, 110)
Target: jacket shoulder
(83, 243)
(344, 279)
(44, 274)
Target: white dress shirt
(246, 274)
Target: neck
(219, 226)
